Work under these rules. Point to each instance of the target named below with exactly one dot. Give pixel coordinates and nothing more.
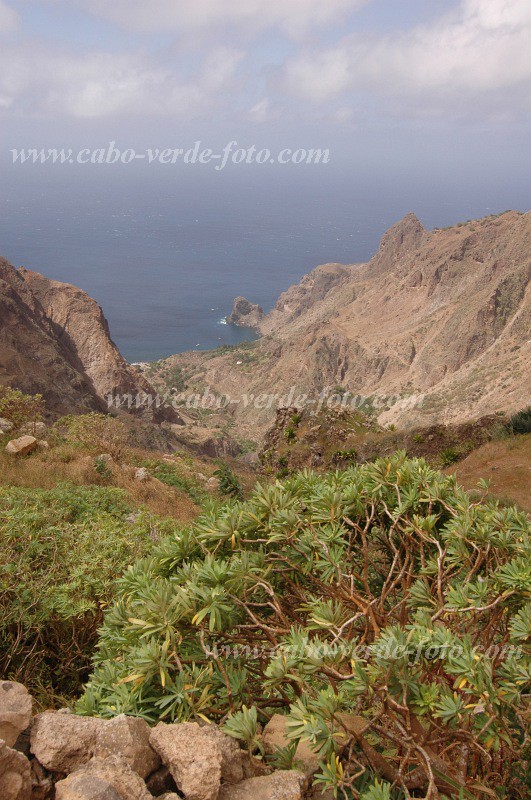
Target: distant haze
(424, 106)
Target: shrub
(381, 592)
(19, 408)
(229, 483)
(520, 422)
(61, 552)
(98, 432)
(449, 456)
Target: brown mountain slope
(54, 340)
(436, 326)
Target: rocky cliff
(55, 341)
(435, 327)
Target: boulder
(280, 785)
(232, 757)
(61, 742)
(212, 484)
(15, 774)
(22, 446)
(193, 757)
(142, 474)
(103, 779)
(5, 425)
(274, 737)
(15, 711)
(128, 737)
(33, 428)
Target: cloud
(103, 84)
(295, 18)
(8, 18)
(482, 50)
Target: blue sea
(165, 259)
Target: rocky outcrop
(15, 774)
(435, 327)
(246, 314)
(55, 341)
(22, 446)
(72, 757)
(15, 711)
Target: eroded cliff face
(55, 341)
(438, 320)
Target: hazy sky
(439, 90)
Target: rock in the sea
(128, 737)
(192, 756)
(103, 779)
(15, 710)
(62, 742)
(5, 425)
(22, 446)
(142, 474)
(15, 774)
(274, 737)
(246, 314)
(280, 785)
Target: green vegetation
(61, 552)
(171, 475)
(449, 456)
(229, 484)
(381, 592)
(97, 432)
(521, 422)
(19, 408)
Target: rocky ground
(58, 755)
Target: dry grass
(506, 463)
(68, 463)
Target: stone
(169, 796)
(232, 757)
(274, 736)
(106, 458)
(62, 742)
(15, 774)
(42, 444)
(33, 428)
(5, 425)
(108, 778)
(192, 756)
(22, 446)
(280, 785)
(142, 474)
(42, 787)
(15, 711)
(212, 484)
(129, 738)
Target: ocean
(165, 261)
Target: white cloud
(8, 18)
(263, 111)
(103, 84)
(293, 17)
(482, 49)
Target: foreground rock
(128, 737)
(192, 756)
(15, 774)
(63, 742)
(22, 446)
(281, 785)
(103, 779)
(15, 711)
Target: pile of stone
(57, 755)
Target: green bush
(449, 456)
(61, 552)
(19, 408)
(520, 422)
(98, 432)
(229, 483)
(381, 592)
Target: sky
(423, 92)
